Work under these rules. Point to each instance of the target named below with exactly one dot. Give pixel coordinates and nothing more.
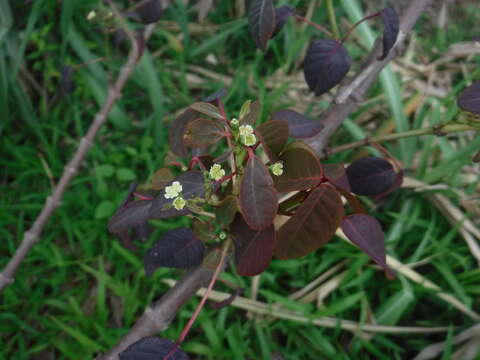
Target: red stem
(142, 197)
(358, 23)
(200, 306)
(315, 25)
(227, 177)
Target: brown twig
(158, 317)
(53, 201)
(346, 102)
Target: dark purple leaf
(396, 184)
(312, 225)
(253, 249)
(301, 168)
(129, 216)
(66, 79)
(151, 11)
(129, 197)
(371, 176)
(153, 348)
(299, 125)
(226, 210)
(177, 131)
(469, 98)
(391, 27)
(193, 185)
(336, 174)
(364, 231)
(178, 248)
(203, 132)
(273, 135)
(126, 241)
(258, 198)
(326, 64)
(143, 232)
(217, 95)
(261, 21)
(282, 13)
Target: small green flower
(179, 203)
(234, 122)
(216, 172)
(222, 235)
(249, 140)
(277, 168)
(173, 190)
(245, 130)
(91, 15)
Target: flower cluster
(216, 172)
(277, 168)
(174, 191)
(247, 136)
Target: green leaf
(104, 210)
(105, 171)
(124, 174)
(207, 109)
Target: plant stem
(434, 130)
(315, 25)
(358, 23)
(333, 19)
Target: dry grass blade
(262, 308)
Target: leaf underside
(129, 216)
(177, 131)
(261, 21)
(326, 64)
(282, 13)
(202, 132)
(258, 198)
(312, 225)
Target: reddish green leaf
(391, 26)
(226, 210)
(193, 185)
(261, 21)
(129, 216)
(371, 176)
(207, 109)
(273, 135)
(153, 348)
(251, 116)
(299, 125)
(258, 198)
(326, 64)
(161, 178)
(312, 225)
(365, 231)
(177, 131)
(203, 132)
(178, 248)
(301, 168)
(253, 249)
(469, 98)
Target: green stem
(333, 18)
(434, 130)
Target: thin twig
(31, 236)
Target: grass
(79, 291)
